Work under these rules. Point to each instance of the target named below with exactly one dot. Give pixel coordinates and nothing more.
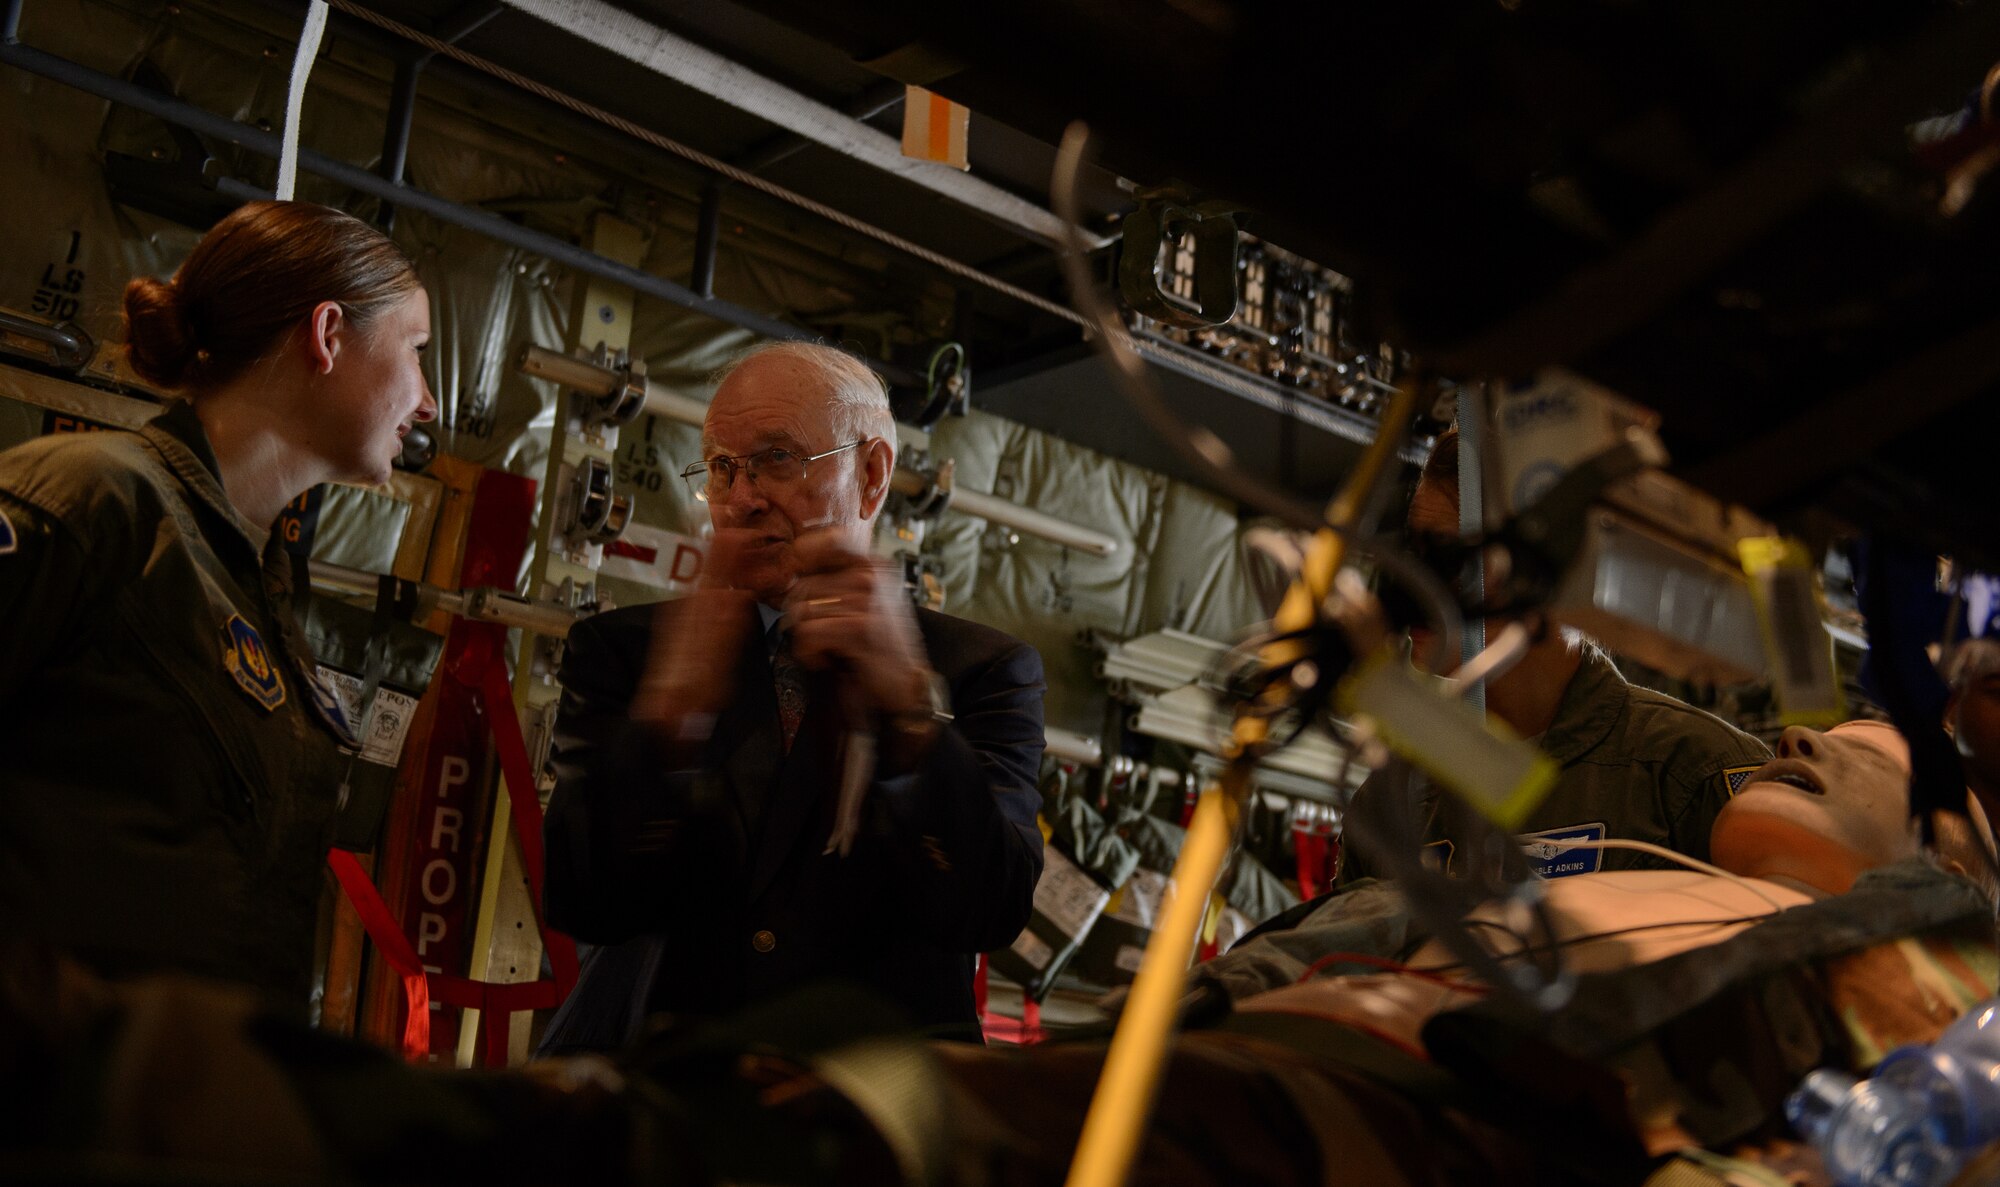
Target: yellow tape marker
(1457, 745)
(1792, 622)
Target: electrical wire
(1391, 966)
(715, 165)
(1588, 937)
(1662, 851)
(1384, 826)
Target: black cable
(1558, 945)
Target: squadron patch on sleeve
(244, 657)
(1736, 777)
(9, 540)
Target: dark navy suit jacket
(708, 888)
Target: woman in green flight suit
(168, 762)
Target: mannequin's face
(1829, 807)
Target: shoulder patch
(9, 539)
(1736, 777)
(246, 661)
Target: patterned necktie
(788, 676)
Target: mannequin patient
(1702, 998)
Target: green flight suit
(1636, 765)
(170, 767)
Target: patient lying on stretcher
(1829, 808)
(1358, 1051)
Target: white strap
(288, 152)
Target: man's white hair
(857, 399)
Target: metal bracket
(948, 385)
(1160, 222)
(930, 502)
(623, 402)
(597, 516)
(617, 402)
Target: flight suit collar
(182, 441)
(1596, 698)
(183, 444)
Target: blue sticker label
(1549, 861)
(8, 540)
(244, 657)
(1736, 777)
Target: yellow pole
(1124, 1097)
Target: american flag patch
(1736, 777)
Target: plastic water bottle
(1915, 1121)
(1956, 1076)
(1872, 1133)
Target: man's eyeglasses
(774, 468)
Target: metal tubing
(995, 509)
(71, 348)
(707, 229)
(10, 23)
(186, 115)
(396, 130)
(482, 604)
(403, 99)
(402, 113)
(543, 363)
(1070, 746)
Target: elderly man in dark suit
(706, 746)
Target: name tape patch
(1550, 861)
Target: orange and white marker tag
(934, 128)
